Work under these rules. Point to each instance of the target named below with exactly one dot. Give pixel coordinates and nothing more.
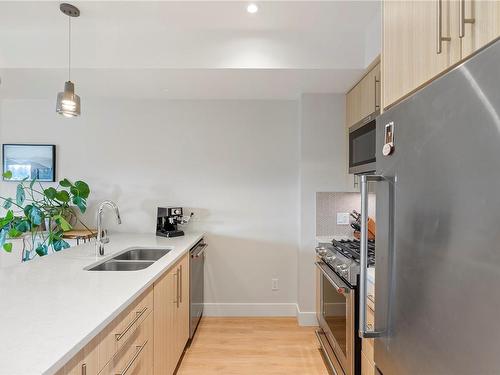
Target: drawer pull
(133, 359)
(119, 336)
(180, 284)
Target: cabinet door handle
(462, 19)
(84, 369)
(119, 336)
(139, 349)
(176, 281)
(439, 28)
(180, 284)
(377, 106)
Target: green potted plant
(41, 215)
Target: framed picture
(32, 161)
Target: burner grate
(351, 249)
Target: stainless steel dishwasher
(196, 280)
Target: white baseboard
(250, 309)
(306, 319)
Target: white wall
(250, 171)
(323, 167)
(373, 37)
(234, 162)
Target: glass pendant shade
(68, 103)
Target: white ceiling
(185, 49)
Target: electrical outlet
(343, 218)
(275, 285)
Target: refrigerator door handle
(363, 331)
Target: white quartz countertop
(52, 307)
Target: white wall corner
(306, 319)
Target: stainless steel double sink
(133, 259)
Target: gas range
(343, 257)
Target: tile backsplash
(329, 204)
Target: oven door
(362, 139)
(337, 316)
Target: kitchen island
(53, 307)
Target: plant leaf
(32, 183)
(10, 215)
(20, 195)
(14, 233)
(50, 193)
(7, 175)
(59, 245)
(3, 235)
(65, 183)
(7, 219)
(80, 203)
(35, 215)
(83, 189)
(23, 226)
(62, 196)
(65, 226)
(42, 250)
(7, 204)
(7, 247)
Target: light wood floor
(253, 346)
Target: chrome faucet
(102, 234)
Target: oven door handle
(344, 289)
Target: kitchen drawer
(136, 355)
(117, 333)
(367, 344)
(84, 362)
(367, 367)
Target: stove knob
(320, 250)
(330, 258)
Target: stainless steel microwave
(362, 138)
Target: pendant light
(68, 103)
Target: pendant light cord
(69, 49)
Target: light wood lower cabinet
(116, 334)
(147, 338)
(171, 294)
(367, 367)
(136, 356)
(84, 362)
(367, 356)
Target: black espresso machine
(168, 219)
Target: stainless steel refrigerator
(438, 226)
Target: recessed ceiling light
(252, 8)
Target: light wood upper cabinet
(353, 99)
(370, 92)
(410, 54)
(364, 98)
(481, 24)
(171, 298)
(415, 49)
